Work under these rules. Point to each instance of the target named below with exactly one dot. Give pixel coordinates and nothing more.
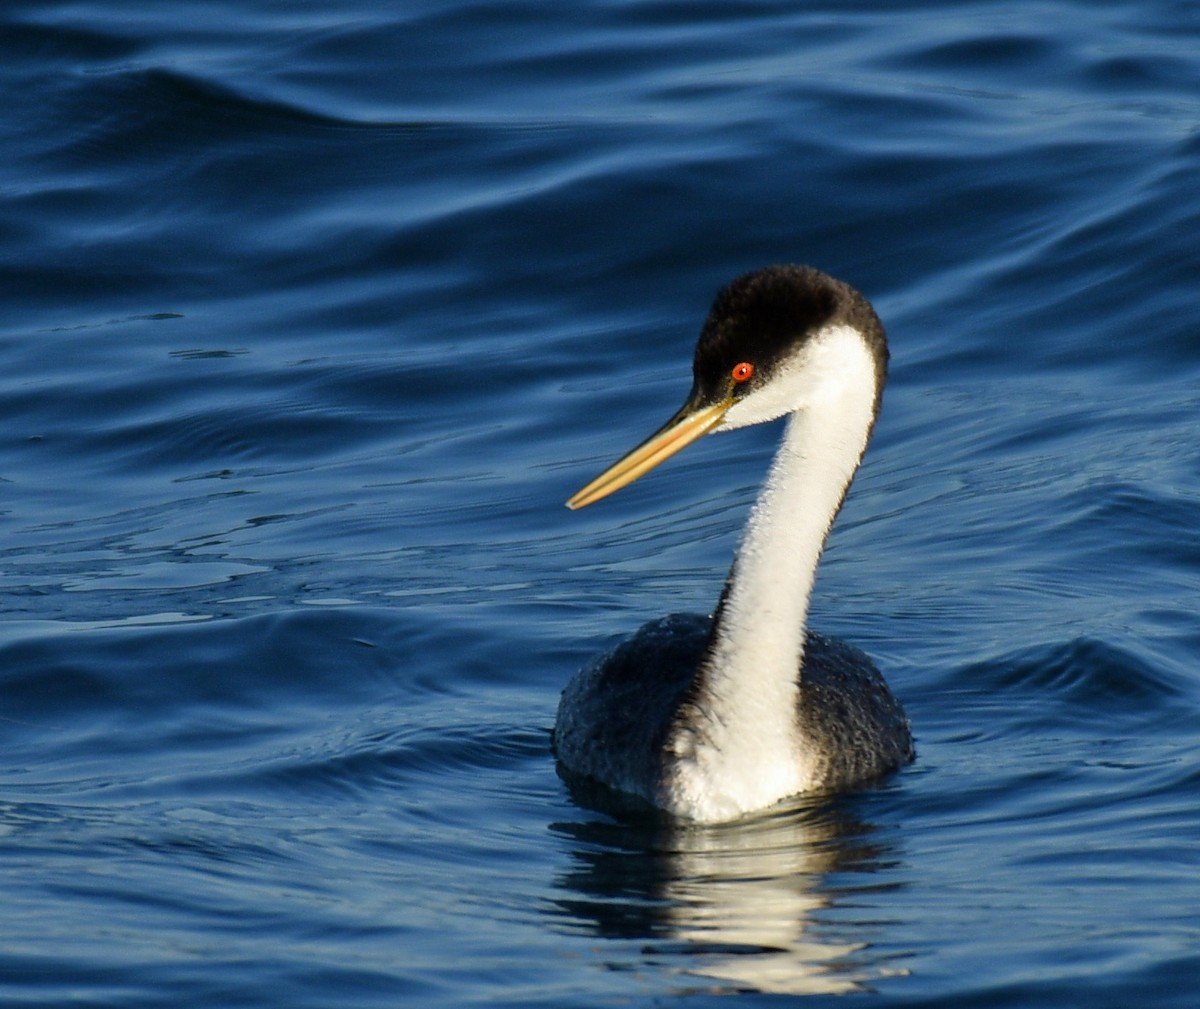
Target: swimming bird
(712, 718)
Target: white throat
(737, 748)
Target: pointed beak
(689, 424)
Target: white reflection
(732, 908)
(742, 898)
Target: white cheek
(821, 371)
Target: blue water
(314, 315)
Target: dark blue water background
(314, 314)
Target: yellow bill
(678, 433)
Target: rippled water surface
(314, 314)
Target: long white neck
(736, 746)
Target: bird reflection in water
(748, 906)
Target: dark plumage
(623, 705)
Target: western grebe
(713, 718)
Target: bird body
(713, 719)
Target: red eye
(742, 372)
